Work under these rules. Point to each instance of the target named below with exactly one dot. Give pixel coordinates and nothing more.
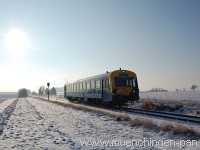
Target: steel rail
(174, 116)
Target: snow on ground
(187, 102)
(5, 104)
(7, 95)
(172, 95)
(6, 109)
(37, 124)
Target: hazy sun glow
(16, 42)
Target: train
(116, 87)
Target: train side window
(104, 84)
(107, 83)
(84, 84)
(74, 87)
(92, 84)
(88, 85)
(98, 84)
(77, 87)
(80, 86)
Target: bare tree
(46, 91)
(41, 90)
(34, 93)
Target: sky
(64, 40)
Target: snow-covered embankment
(6, 109)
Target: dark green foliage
(34, 93)
(194, 87)
(53, 91)
(23, 92)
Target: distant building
(158, 90)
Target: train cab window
(98, 84)
(130, 82)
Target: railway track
(160, 114)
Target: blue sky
(72, 39)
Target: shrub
(149, 105)
(23, 92)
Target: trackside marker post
(48, 84)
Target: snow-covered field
(37, 124)
(172, 95)
(7, 95)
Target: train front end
(124, 86)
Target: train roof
(100, 76)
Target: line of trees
(23, 92)
(194, 87)
(44, 91)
